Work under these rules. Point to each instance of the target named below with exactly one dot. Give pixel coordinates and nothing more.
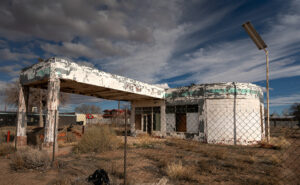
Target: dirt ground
(150, 159)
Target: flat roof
(84, 80)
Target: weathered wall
(192, 123)
(170, 123)
(232, 121)
(228, 112)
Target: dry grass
(146, 141)
(277, 143)
(178, 171)
(6, 148)
(184, 162)
(29, 158)
(97, 139)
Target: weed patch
(97, 139)
(29, 158)
(6, 148)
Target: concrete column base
(21, 140)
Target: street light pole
(267, 85)
(260, 44)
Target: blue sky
(172, 41)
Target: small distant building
(113, 113)
(284, 121)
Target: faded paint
(52, 112)
(22, 115)
(65, 69)
(214, 90)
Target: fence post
(125, 147)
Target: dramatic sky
(171, 41)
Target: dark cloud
(97, 25)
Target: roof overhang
(84, 80)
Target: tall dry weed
(29, 158)
(6, 148)
(98, 139)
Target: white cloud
(146, 61)
(285, 100)
(11, 70)
(239, 60)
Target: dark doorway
(149, 123)
(138, 122)
(180, 122)
(147, 120)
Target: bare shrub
(29, 158)
(98, 139)
(6, 148)
(178, 171)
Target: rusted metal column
(21, 139)
(52, 105)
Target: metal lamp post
(260, 45)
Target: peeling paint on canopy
(215, 91)
(101, 84)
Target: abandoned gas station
(186, 112)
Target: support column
(21, 139)
(132, 120)
(52, 105)
(163, 124)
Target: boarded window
(138, 122)
(180, 122)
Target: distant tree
(295, 111)
(37, 98)
(88, 109)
